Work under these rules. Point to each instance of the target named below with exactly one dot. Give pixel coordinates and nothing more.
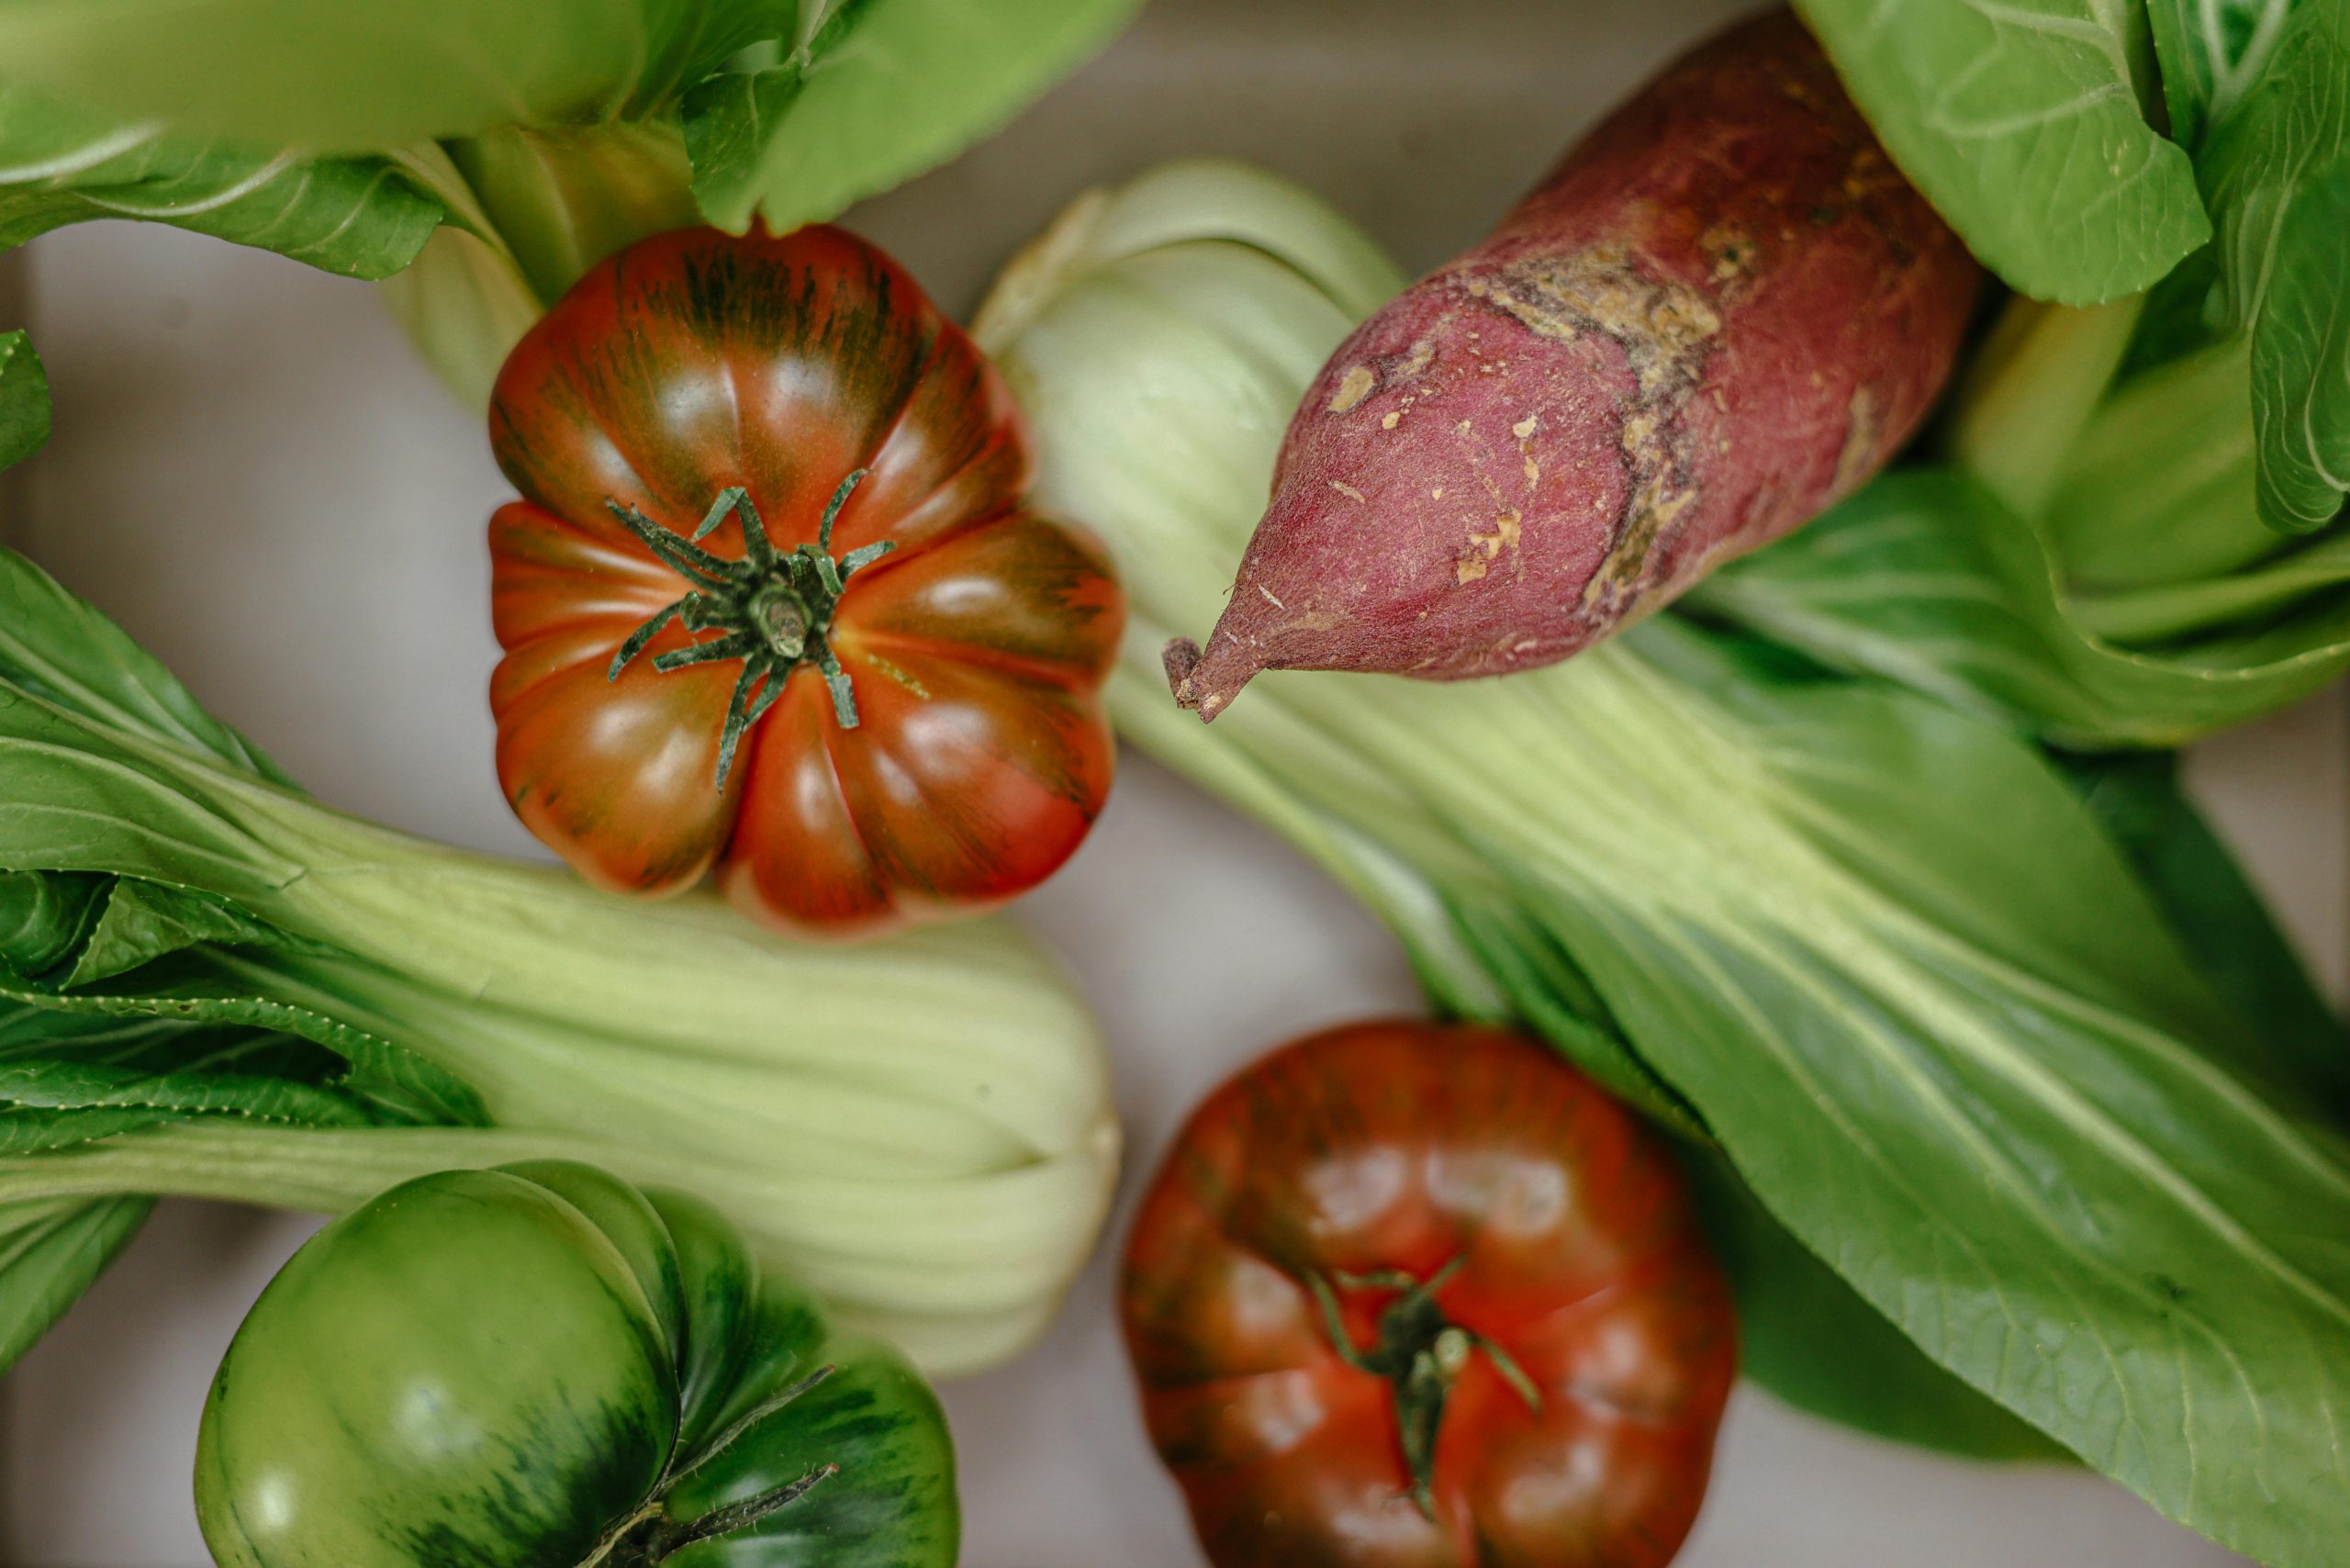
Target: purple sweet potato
(1723, 311)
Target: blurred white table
(254, 476)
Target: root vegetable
(1723, 311)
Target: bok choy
(505, 146)
(1880, 957)
(2197, 148)
(212, 985)
(2086, 557)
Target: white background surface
(254, 476)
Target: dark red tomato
(1405, 1296)
(772, 604)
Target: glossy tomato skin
(542, 1367)
(1557, 1231)
(697, 361)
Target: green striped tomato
(542, 1367)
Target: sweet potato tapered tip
(1181, 657)
(1723, 312)
(1206, 683)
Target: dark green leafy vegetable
(2027, 127)
(2292, 1036)
(2211, 53)
(541, 1364)
(1879, 949)
(880, 90)
(2276, 170)
(1988, 109)
(1930, 579)
(361, 216)
(24, 399)
(544, 136)
(51, 1251)
(2088, 558)
(1807, 1338)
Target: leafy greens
(1885, 955)
(2021, 123)
(2033, 129)
(2084, 557)
(537, 138)
(2277, 173)
(24, 399)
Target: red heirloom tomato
(1415, 1295)
(772, 601)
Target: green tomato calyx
(773, 610)
(1421, 1353)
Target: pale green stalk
(923, 1127)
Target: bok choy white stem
(211, 984)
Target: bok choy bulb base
(921, 1127)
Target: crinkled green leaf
(349, 76)
(65, 1085)
(46, 918)
(159, 1044)
(2211, 53)
(74, 797)
(884, 90)
(1924, 578)
(2020, 122)
(144, 921)
(2277, 175)
(217, 989)
(361, 216)
(52, 1250)
(34, 1129)
(24, 399)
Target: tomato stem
(758, 1413)
(741, 1515)
(773, 610)
(1421, 1353)
(651, 1537)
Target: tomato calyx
(650, 1536)
(1420, 1353)
(773, 609)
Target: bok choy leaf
(212, 985)
(544, 134)
(2275, 170)
(360, 216)
(1877, 951)
(2088, 558)
(24, 399)
(2023, 125)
